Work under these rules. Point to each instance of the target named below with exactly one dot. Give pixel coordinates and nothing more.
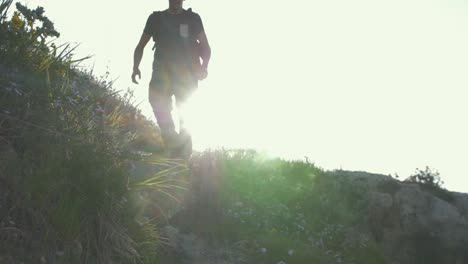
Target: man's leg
(184, 136)
(182, 93)
(161, 102)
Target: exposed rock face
(461, 202)
(413, 225)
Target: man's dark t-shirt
(175, 37)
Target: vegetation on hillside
(431, 181)
(67, 141)
(293, 211)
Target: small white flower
(56, 103)
(290, 252)
(72, 101)
(99, 109)
(263, 250)
(239, 204)
(18, 92)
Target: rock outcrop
(413, 224)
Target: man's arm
(205, 49)
(205, 54)
(138, 54)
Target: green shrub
(427, 177)
(431, 181)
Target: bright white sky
(372, 85)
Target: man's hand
(138, 54)
(136, 72)
(205, 54)
(202, 73)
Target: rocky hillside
(352, 217)
(414, 224)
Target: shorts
(175, 82)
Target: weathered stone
(383, 200)
(419, 227)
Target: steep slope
(67, 139)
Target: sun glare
(206, 117)
(342, 82)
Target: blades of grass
(162, 212)
(80, 60)
(167, 187)
(168, 180)
(165, 241)
(169, 164)
(151, 181)
(4, 6)
(109, 85)
(175, 180)
(65, 53)
(157, 176)
(67, 45)
(174, 162)
(114, 93)
(170, 195)
(45, 63)
(161, 183)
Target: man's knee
(162, 107)
(159, 99)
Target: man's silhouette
(180, 42)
